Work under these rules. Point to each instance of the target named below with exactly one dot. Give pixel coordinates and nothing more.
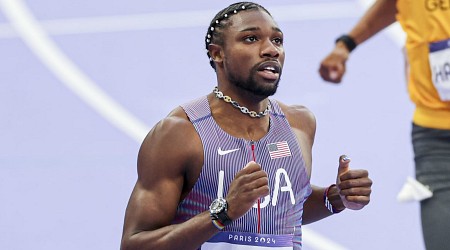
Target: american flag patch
(279, 150)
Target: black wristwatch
(218, 212)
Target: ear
(216, 53)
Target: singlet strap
(197, 109)
(276, 109)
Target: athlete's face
(253, 52)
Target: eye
(250, 39)
(278, 40)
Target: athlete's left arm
(353, 187)
(303, 123)
(352, 190)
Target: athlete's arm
(353, 186)
(168, 154)
(169, 162)
(303, 124)
(352, 191)
(379, 16)
(314, 208)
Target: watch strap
(221, 219)
(218, 224)
(348, 41)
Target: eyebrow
(257, 28)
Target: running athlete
(231, 170)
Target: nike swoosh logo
(224, 152)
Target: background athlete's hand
(248, 185)
(332, 67)
(354, 186)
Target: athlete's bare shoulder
(172, 145)
(299, 117)
(174, 128)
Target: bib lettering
(440, 67)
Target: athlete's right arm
(169, 163)
(170, 149)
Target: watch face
(217, 206)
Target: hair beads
(218, 23)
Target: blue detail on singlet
(281, 213)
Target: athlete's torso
(279, 155)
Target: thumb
(249, 164)
(344, 164)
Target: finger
(257, 175)
(334, 75)
(363, 200)
(323, 71)
(251, 163)
(261, 192)
(356, 191)
(354, 174)
(252, 197)
(255, 179)
(254, 188)
(344, 165)
(329, 74)
(339, 71)
(249, 168)
(251, 180)
(249, 191)
(355, 183)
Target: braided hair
(221, 21)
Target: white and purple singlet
(279, 155)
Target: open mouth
(270, 70)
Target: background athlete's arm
(380, 15)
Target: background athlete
(427, 26)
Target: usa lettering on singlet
(279, 155)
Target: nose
(269, 49)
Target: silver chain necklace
(235, 104)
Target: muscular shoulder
(170, 147)
(300, 117)
(172, 127)
(172, 130)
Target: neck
(236, 123)
(245, 110)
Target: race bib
(248, 241)
(440, 67)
